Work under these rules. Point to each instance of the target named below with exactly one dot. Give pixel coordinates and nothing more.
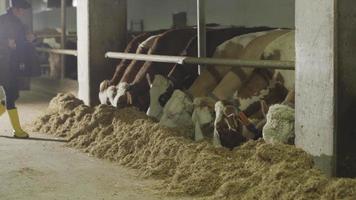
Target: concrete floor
(42, 168)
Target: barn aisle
(42, 168)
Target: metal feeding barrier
(266, 64)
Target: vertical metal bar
(201, 30)
(63, 35)
(142, 25)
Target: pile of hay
(255, 170)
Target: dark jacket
(11, 27)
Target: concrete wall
(52, 19)
(44, 17)
(2, 7)
(158, 13)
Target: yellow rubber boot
(2, 109)
(14, 118)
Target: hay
(255, 170)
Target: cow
(279, 126)
(53, 59)
(232, 127)
(182, 76)
(267, 96)
(121, 67)
(270, 85)
(136, 92)
(249, 46)
(131, 70)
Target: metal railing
(69, 52)
(55, 36)
(266, 64)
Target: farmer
(14, 41)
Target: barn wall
(158, 13)
(2, 7)
(52, 19)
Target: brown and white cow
(131, 71)
(270, 87)
(207, 81)
(136, 92)
(182, 76)
(232, 127)
(132, 47)
(249, 46)
(53, 59)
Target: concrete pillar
(3, 6)
(101, 27)
(326, 83)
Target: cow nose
(163, 99)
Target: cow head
(202, 116)
(228, 127)
(279, 126)
(178, 111)
(103, 97)
(158, 87)
(121, 98)
(111, 92)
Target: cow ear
(149, 80)
(264, 108)
(104, 85)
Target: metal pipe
(55, 36)
(63, 34)
(59, 51)
(145, 57)
(266, 64)
(201, 24)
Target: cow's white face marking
(103, 97)
(111, 93)
(202, 115)
(219, 114)
(158, 87)
(178, 111)
(280, 124)
(120, 91)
